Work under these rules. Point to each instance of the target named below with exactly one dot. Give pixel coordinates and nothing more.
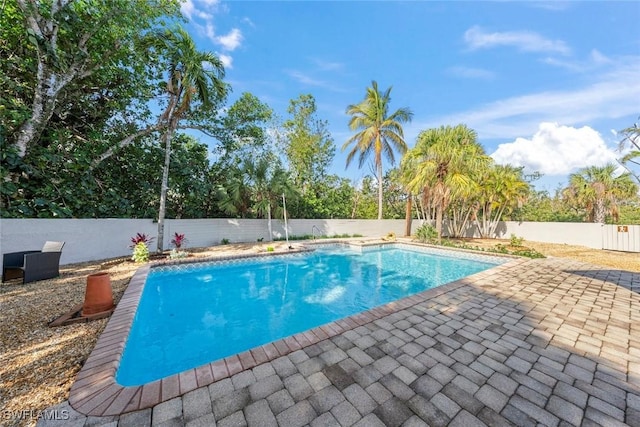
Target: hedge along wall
(94, 239)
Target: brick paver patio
(547, 342)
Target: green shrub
(176, 254)
(516, 241)
(500, 248)
(294, 237)
(529, 253)
(224, 241)
(426, 233)
(140, 253)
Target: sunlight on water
(326, 296)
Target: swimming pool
(192, 314)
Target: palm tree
(501, 189)
(269, 182)
(192, 76)
(632, 138)
(444, 160)
(234, 195)
(378, 132)
(597, 190)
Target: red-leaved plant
(178, 240)
(140, 238)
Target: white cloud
(556, 150)
(201, 13)
(311, 81)
(595, 60)
(230, 41)
(305, 79)
(187, 8)
(555, 5)
(471, 73)
(609, 96)
(327, 65)
(209, 30)
(204, 15)
(202, 9)
(248, 21)
(598, 58)
(226, 60)
(526, 41)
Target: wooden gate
(625, 238)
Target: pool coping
(96, 393)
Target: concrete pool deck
(531, 342)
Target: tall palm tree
(378, 132)
(597, 190)
(501, 189)
(193, 76)
(444, 160)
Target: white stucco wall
(94, 239)
(583, 234)
(85, 239)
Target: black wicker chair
(33, 265)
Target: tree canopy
(598, 191)
(102, 104)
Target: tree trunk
(45, 95)
(439, 210)
(356, 198)
(600, 211)
(168, 136)
(408, 216)
(269, 223)
(121, 144)
(28, 132)
(379, 167)
(50, 81)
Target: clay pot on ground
(98, 296)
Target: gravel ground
(38, 364)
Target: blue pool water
(197, 313)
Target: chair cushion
(52, 247)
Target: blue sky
(544, 84)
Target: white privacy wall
(208, 232)
(94, 239)
(571, 233)
(85, 239)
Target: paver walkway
(548, 342)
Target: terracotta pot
(98, 296)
